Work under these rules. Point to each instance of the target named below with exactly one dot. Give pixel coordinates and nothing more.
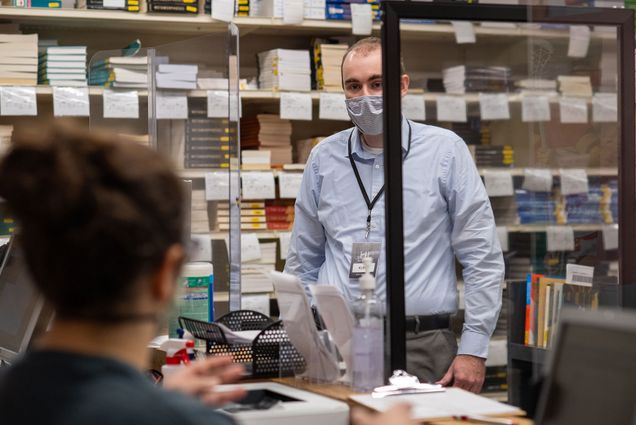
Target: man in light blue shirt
(447, 214)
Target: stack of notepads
(535, 207)
(120, 71)
(302, 148)
(187, 7)
(598, 205)
(462, 79)
(176, 76)
(199, 218)
(270, 133)
(327, 61)
(279, 215)
(19, 59)
(492, 156)
(127, 5)
(284, 69)
(207, 140)
(63, 66)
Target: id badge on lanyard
(359, 251)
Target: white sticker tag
(285, 239)
(218, 104)
(560, 238)
(605, 107)
(217, 186)
(573, 110)
(223, 10)
(579, 275)
(573, 181)
(579, 41)
(332, 106)
(18, 101)
(414, 107)
(498, 183)
(114, 4)
(535, 108)
(258, 185)
(121, 104)
(171, 106)
(610, 236)
(361, 19)
(451, 109)
(295, 106)
(71, 102)
(502, 234)
(293, 11)
(494, 106)
(289, 184)
(250, 248)
(464, 32)
(537, 180)
(255, 302)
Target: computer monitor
(22, 308)
(591, 371)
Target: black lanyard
(371, 203)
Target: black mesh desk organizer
(271, 354)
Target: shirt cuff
(474, 344)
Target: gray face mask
(366, 113)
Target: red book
(277, 209)
(289, 218)
(277, 225)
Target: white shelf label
(535, 108)
(289, 184)
(451, 109)
(610, 236)
(258, 185)
(502, 234)
(537, 180)
(217, 186)
(498, 183)
(560, 238)
(71, 102)
(250, 248)
(171, 106)
(295, 106)
(332, 107)
(256, 302)
(285, 239)
(293, 11)
(223, 10)
(464, 32)
(121, 104)
(218, 104)
(114, 4)
(579, 41)
(414, 107)
(579, 275)
(361, 19)
(605, 107)
(18, 101)
(573, 181)
(573, 110)
(494, 106)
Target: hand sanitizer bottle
(368, 335)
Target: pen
(484, 420)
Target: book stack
(186, 7)
(340, 10)
(207, 140)
(200, 220)
(120, 71)
(176, 76)
(270, 133)
(313, 9)
(535, 207)
(284, 69)
(572, 85)
(492, 156)
(255, 273)
(609, 202)
(46, 4)
(505, 210)
(537, 86)
(327, 60)
(472, 79)
(242, 8)
(279, 215)
(252, 216)
(470, 131)
(63, 66)
(6, 132)
(19, 59)
(495, 379)
(127, 5)
(302, 148)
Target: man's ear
(163, 282)
(404, 84)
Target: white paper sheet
(579, 41)
(414, 107)
(256, 302)
(573, 180)
(494, 106)
(293, 11)
(71, 102)
(498, 183)
(332, 107)
(451, 109)
(237, 337)
(284, 238)
(295, 106)
(537, 180)
(217, 186)
(250, 248)
(560, 238)
(258, 185)
(200, 248)
(121, 104)
(605, 107)
(573, 110)
(361, 19)
(464, 32)
(502, 234)
(171, 106)
(218, 104)
(223, 10)
(18, 101)
(610, 236)
(289, 184)
(301, 329)
(535, 108)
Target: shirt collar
(360, 153)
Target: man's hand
(199, 379)
(466, 372)
(400, 414)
